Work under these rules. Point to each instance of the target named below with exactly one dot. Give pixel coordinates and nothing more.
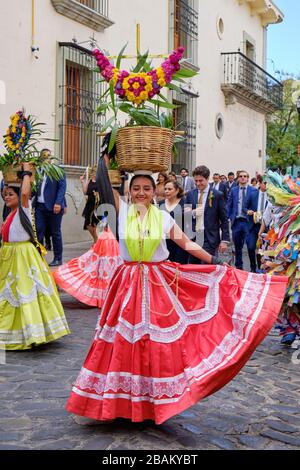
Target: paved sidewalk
(259, 409)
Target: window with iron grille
(79, 92)
(184, 119)
(99, 6)
(185, 26)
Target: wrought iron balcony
(92, 13)
(247, 83)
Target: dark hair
(172, 173)
(162, 173)
(25, 221)
(148, 177)
(253, 179)
(185, 169)
(105, 146)
(230, 173)
(216, 174)
(201, 170)
(176, 185)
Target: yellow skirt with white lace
(30, 309)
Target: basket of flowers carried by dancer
(20, 140)
(147, 141)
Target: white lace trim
(38, 288)
(133, 333)
(153, 389)
(30, 332)
(98, 267)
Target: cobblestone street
(259, 409)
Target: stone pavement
(259, 409)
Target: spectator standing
(209, 215)
(218, 185)
(160, 187)
(49, 209)
(174, 205)
(230, 183)
(172, 176)
(255, 205)
(187, 183)
(237, 214)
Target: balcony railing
(91, 13)
(99, 6)
(246, 82)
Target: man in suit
(238, 216)
(187, 182)
(209, 217)
(230, 183)
(218, 185)
(49, 209)
(255, 206)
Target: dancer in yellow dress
(30, 309)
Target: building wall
(244, 128)
(32, 83)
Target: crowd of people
(177, 321)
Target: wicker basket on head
(10, 175)
(115, 177)
(144, 148)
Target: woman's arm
(26, 186)
(179, 237)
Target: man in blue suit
(237, 213)
(255, 206)
(50, 203)
(209, 217)
(218, 185)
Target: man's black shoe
(48, 247)
(55, 262)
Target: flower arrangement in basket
(20, 142)
(147, 140)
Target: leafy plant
(132, 93)
(24, 149)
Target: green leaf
(103, 94)
(163, 104)
(108, 124)
(113, 137)
(141, 62)
(185, 73)
(112, 94)
(102, 108)
(173, 87)
(118, 63)
(126, 107)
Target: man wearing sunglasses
(237, 213)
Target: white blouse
(161, 252)
(16, 231)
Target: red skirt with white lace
(87, 277)
(171, 334)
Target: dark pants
(239, 234)
(251, 241)
(45, 218)
(206, 247)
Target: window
(186, 28)
(92, 13)
(79, 95)
(184, 119)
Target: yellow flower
(148, 79)
(161, 82)
(136, 85)
(144, 95)
(130, 95)
(148, 87)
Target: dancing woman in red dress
(168, 334)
